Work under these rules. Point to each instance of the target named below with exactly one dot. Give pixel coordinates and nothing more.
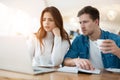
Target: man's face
(87, 25)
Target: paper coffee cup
(99, 42)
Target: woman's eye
(43, 19)
(50, 19)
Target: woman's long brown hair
(58, 22)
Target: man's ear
(97, 21)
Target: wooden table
(8, 75)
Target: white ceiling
(71, 7)
(68, 8)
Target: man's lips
(83, 30)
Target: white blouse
(52, 52)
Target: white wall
(20, 16)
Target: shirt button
(111, 55)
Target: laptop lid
(14, 55)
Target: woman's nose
(46, 22)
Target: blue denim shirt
(80, 48)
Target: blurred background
(22, 16)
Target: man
(84, 53)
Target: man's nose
(82, 25)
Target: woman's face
(48, 22)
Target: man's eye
(85, 21)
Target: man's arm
(69, 62)
(81, 63)
(117, 52)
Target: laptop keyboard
(35, 68)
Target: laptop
(14, 56)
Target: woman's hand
(56, 31)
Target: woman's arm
(59, 50)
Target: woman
(51, 42)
